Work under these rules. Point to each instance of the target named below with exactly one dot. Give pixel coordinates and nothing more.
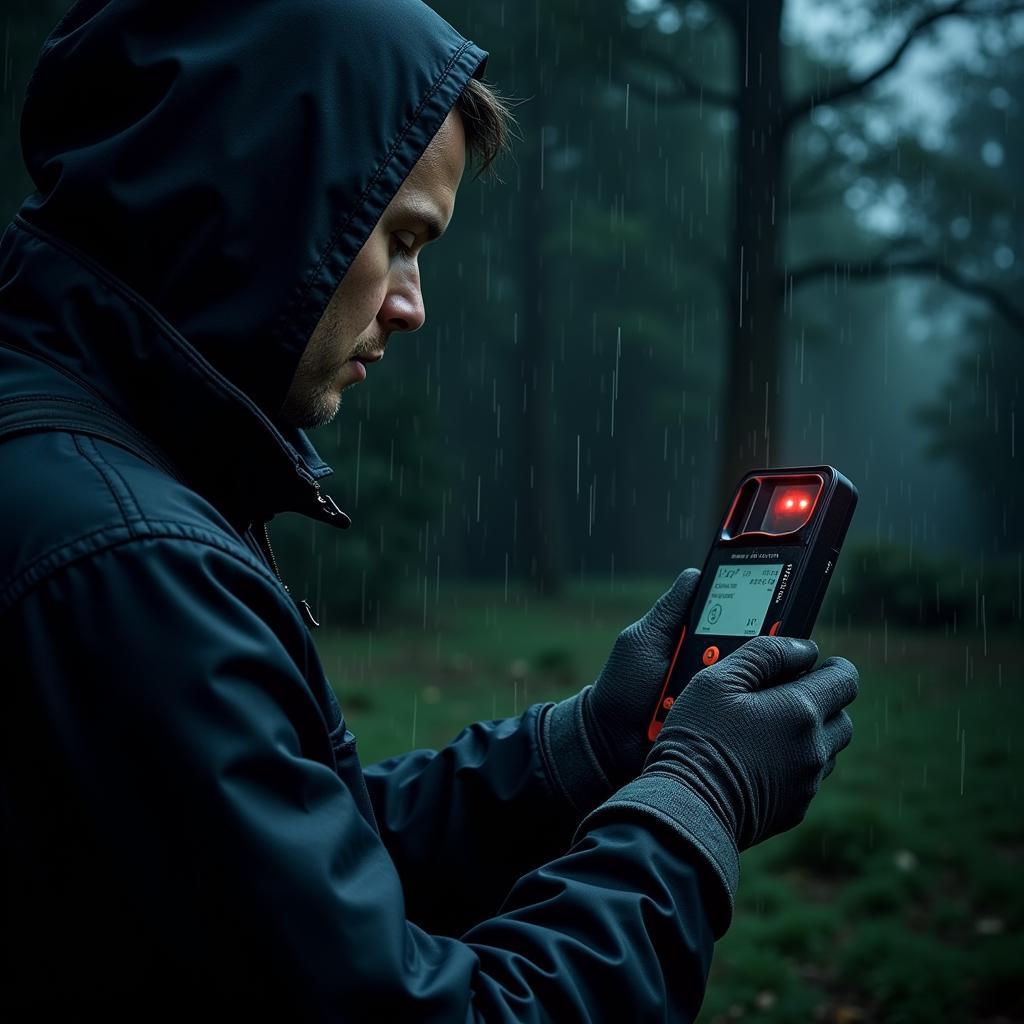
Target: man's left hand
(596, 741)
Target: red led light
(793, 501)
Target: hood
(205, 174)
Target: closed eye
(404, 242)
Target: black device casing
(808, 556)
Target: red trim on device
(655, 727)
(774, 476)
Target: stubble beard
(316, 402)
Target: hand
(596, 740)
(755, 734)
(742, 752)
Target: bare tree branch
(958, 8)
(686, 87)
(885, 267)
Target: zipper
(303, 605)
(325, 501)
(270, 554)
(329, 509)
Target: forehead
(438, 172)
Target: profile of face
(380, 293)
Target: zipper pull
(307, 614)
(327, 505)
(330, 508)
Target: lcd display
(738, 599)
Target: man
(231, 200)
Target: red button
(710, 655)
(775, 627)
(668, 702)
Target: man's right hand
(753, 736)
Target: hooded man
(230, 204)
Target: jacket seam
(10, 582)
(43, 358)
(120, 476)
(16, 588)
(122, 494)
(46, 423)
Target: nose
(402, 309)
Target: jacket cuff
(665, 798)
(569, 757)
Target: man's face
(380, 293)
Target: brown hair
(488, 122)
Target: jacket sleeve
(462, 824)
(236, 861)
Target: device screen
(738, 599)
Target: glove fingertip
(803, 647)
(684, 581)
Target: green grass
(477, 656)
(900, 896)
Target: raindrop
(963, 758)
(359, 450)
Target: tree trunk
(539, 542)
(751, 388)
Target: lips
(359, 363)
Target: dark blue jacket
(185, 822)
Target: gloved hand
(743, 752)
(596, 740)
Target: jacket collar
(58, 306)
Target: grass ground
(899, 898)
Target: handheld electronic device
(767, 570)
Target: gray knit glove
(742, 754)
(596, 741)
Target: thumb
(764, 661)
(666, 616)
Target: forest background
(732, 235)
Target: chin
(318, 413)
(328, 408)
